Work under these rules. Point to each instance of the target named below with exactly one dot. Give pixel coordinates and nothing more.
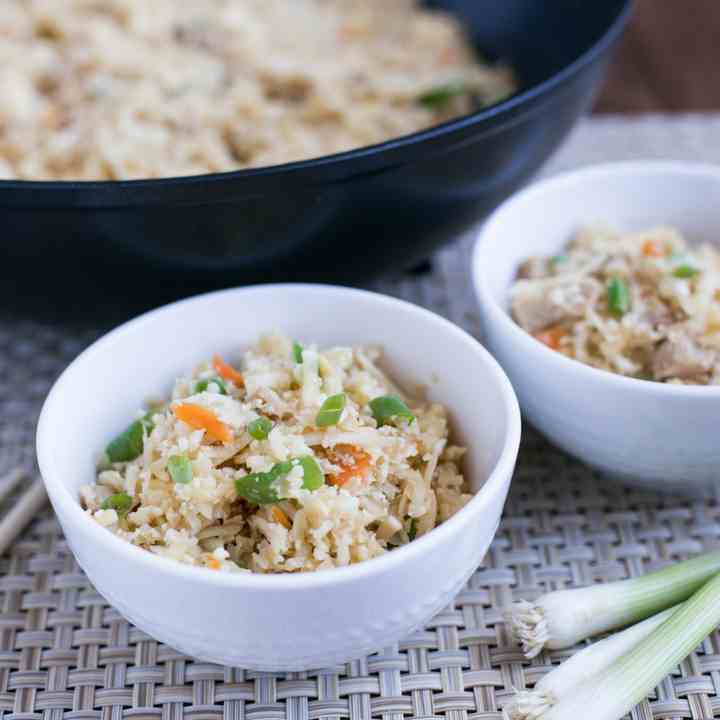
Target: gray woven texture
(64, 653)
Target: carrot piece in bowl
(359, 467)
(551, 337)
(227, 371)
(653, 248)
(203, 419)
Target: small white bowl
(647, 433)
(280, 622)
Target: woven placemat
(65, 653)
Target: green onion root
(596, 658)
(616, 690)
(563, 618)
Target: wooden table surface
(668, 60)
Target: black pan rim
(491, 114)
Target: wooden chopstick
(23, 510)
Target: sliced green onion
(563, 618)
(331, 411)
(202, 385)
(614, 691)
(443, 94)
(595, 658)
(388, 407)
(180, 469)
(297, 352)
(259, 428)
(559, 259)
(685, 271)
(120, 503)
(129, 444)
(313, 477)
(618, 296)
(261, 488)
(412, 529)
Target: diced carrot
(551, 337)
(213, 563)
(358, 468)
(203, 419)
(280, 517)
(653, 248)
(227, 371)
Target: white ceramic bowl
(279, 622)
(663, 436)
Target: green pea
(121, 503)
(261, 488)
(618, 296)
(331, 411)
(443, 94)
(259, 428)
(202, 385)
(297, 352)
(129, 444)
(685, 271)
(180, 469)
(387, 407)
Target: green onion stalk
(564, 679)
(263, 488)
(563, 618)
(331, 411)
(611, 693)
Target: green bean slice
(202, 385)
(331, 410)
(259, 428)
(388, 407)
(618, 294)
(121, 503)
(180, 469)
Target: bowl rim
(482, 262)
(67, 506)
(513, 102)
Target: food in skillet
(121, 89)
(295, 459)
(644, 304)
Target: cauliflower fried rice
(124, 89)
(642, 304)
(296, 459)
